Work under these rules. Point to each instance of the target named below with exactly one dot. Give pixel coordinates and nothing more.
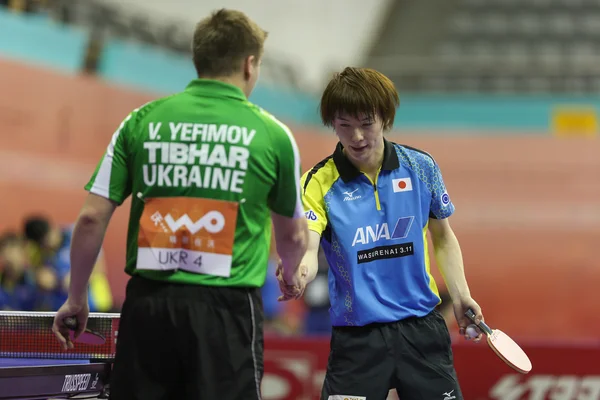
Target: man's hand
(80, 310)
(460, 308)
(293, 285)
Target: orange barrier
(528, 208)
(295, 369)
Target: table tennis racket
(504, 347)
(86, 337)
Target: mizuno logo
(350, 195)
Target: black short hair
(356, 91)
(36, 228)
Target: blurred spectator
(49, 249)
(28, 6)
(316, 298)
(17, 288)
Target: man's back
(203, 166)
(207, 172)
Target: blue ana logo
(372, 234)
(445, 199)
(402, 227)
(310, 215)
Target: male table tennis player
(370, 205)
(209, 171)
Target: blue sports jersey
(22, 296)
(374, 234)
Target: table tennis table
(33, 366)
(42, 378)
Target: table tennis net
(29, 335)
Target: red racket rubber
(86, 337)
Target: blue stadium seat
(38, 40)
(145, 67)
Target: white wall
(319, 36)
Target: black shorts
(413, 356)
(188, 342)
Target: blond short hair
(223, 40)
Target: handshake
(292, 282)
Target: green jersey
(205, 168)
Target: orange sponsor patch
(203, 225)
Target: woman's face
(361, 136)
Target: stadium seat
(38, 40)
(519, 34)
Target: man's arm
(291, 239)
(449, 257)
(447, 251)
(109, 186)
(307, 270)
(88, 236)
(311, 258)
(450, 262)
(291, 231)
(314, 206)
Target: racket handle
(481, 325)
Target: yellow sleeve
(314, 204)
